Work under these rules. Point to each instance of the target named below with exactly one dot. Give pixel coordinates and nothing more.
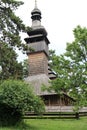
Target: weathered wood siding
(63, 109)
(38, 64)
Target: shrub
(16, 97)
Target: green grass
(51, 124)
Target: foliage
(25, 65)
(60, 65)
(16, 98)
(9, 64)
(71, 68)
(10, 28)
(10, 24)
(77, 54)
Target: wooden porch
(57, 100)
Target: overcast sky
(59, 17)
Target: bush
(16, 97)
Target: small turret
(36, 16)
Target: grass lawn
(51, 124)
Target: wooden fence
(57, 113)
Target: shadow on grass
(19, 126)
(24, 126)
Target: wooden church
(39, 71)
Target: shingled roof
(37, 82)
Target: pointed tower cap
(36, 10)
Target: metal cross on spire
(35, 3)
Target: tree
(16, 98)
(9, 64)
(60, 65)
(10, 28)
(76, 52)
(10, 24)
(25, 65)
(71, 68)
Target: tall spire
(35, 3)
(36, 16)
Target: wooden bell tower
(38, 45)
